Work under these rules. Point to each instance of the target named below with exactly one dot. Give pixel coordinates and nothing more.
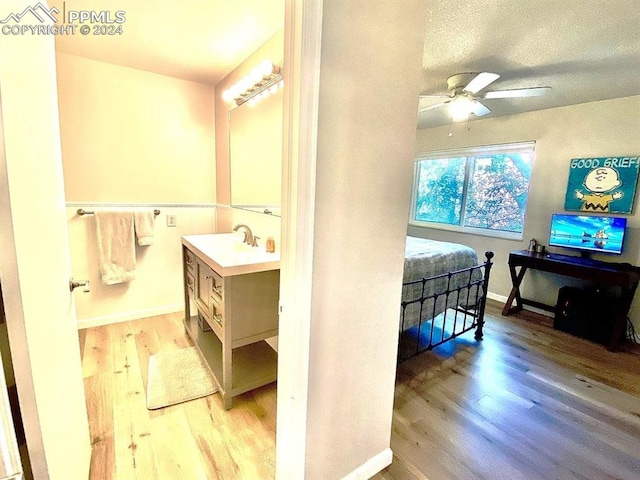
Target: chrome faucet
(249, 238)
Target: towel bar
(82, 211)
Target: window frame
(467, 152)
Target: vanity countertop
(227, 255)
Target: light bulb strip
(257, 89)
(259, 80)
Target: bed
(444, 292)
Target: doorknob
(73, 284)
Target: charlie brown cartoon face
(602, 179)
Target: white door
(34, 258)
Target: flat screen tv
(588, 233)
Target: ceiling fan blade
(517, 92)
(480, 81)
(431, 107)
(479, 109)
(434, 96)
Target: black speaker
(586, 312)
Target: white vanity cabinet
(231, 308)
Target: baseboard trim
(496, 297)
(127, 316)
(371, 466)
(503, 299)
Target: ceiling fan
(465, 94)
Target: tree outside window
(481, 190)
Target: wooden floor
(527, 402)
(192, 440)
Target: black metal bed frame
(434, 329)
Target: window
(480, 190)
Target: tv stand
(621, 275)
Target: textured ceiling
(585, 50)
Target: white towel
(116, 246)
(144, 221)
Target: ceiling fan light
(460, 108)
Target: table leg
(516, 280)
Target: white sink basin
(227, 255)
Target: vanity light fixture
(261, 82)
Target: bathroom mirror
(255, 154)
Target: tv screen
(591, 233)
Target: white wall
(134, 138)
(130, 136)
(366, 116)
(598, 129)
(157, 288)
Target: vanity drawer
(191, 284)
(190, 261)
(217, 286)
(217, 311)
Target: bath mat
(177, 376)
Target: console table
(621, 275)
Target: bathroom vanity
(231, 293)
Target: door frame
(302, 42)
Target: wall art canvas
(602, 184)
